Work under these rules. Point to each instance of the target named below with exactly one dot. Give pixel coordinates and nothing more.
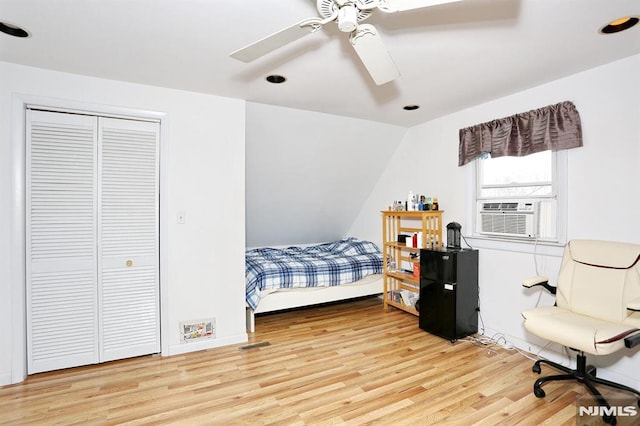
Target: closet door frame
(20, 103)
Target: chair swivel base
(585, 374)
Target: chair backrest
(598, 278)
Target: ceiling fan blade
(368, 45)
(391, 6)
(277, 40)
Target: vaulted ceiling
(450, 56)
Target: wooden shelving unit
(406, 222)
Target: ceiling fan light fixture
(619, 25)
(13, 30)
(347, 18)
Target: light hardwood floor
(350, 363)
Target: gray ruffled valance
(550, 128)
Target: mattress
(322, 265)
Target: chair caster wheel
(538, 392)
(536, 368)
(610, 420)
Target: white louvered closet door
(61, 184)
(92, 239)
(129, 241)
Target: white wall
(308, 173)
(204, 176)
(604, 197)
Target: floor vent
(255, 345)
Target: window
(520, 198)
(508, 177)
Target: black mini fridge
(449, 292)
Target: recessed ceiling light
(276, 79)
(619, 25)
(13, 30)
(410, 107)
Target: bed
(296, 276)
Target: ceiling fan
(347, 13)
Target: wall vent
(195, 330)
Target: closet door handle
(129, 263)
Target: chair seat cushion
(576, 331)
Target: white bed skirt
(288, 298)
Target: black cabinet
(449, 292)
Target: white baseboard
(207, 344)
(554, 352)
(5, 379)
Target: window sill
(530, 247)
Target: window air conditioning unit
(511, 219)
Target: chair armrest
(632, 341)
(540, 280)
(634, 305)
(530, 282)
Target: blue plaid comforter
(322, 265)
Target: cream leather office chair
(597, 311)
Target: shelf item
(449, 292)
(398, 273)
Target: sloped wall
(603, 195)
(308, 173)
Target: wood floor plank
(343, 364)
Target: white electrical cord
(535, 264)
(535, 255)
(500, 340)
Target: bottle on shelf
(434, 205)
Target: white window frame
(560, 192)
